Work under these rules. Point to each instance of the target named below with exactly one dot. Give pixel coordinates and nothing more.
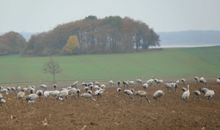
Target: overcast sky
(162, 15)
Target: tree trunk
(54, 78)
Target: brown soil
(114, 111)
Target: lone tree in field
(52, 68)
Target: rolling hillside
(167, 63)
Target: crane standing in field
(186, 94)
(158, 94)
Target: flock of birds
(92, 89)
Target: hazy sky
(162, 15)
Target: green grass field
(166, 63)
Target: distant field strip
(166, 63)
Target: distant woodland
(90, 35)
(12, 43)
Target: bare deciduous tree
(52, 68)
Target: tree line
(12, 43)
(90, 35)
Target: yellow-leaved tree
(72, 45)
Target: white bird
(196, 78)
(183, 81)
(204, 90)
(171, 86)
(184, 89)
(186, 94)
(1, 96)
(60, 98)
(96, 87)
(4, 90)
(64, 93)
(54, 93)
(130, 82)
(150, 82)
(99, 92)
(13, 89)
(118, 89)
(86, 88)
(20, 95)
(89, 91)
(145, 85)
(97, 83)
(75, 84)
(25, 89)
(40, 92)
(210, 94)
(125, 84)
(18, 88)
(178, 81)
(202, 80)
(74, 91)
(158, 81)
(158, 94)
(31, 89)
(139, 81)
(111, 82)
(86, 95)
(2, 101)
(46, 94)
(43, 86)
(128, 92)
(142, 93)
(218, 80)
(197, 92)
(31, 98)
(102, 86)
